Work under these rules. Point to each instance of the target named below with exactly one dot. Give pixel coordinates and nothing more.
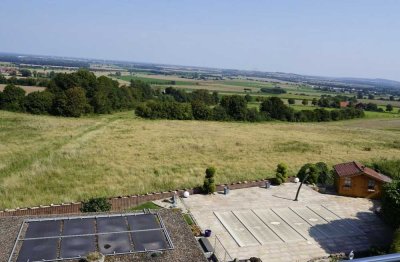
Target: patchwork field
(47, 159)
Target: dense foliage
(388, 167)
(315, 173)
(391, 203)
(76, 94)
(275, 90)
(96, 205)
(209, 181)
(281, 174)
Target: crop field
(46, 159)
(28, 89)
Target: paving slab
(257, 228)
(343, 226)
(236, 229)
(279, 226)
(299, 224)
(317, 222)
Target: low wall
(119, 203)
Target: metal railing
(220, 251)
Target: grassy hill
(46, 159)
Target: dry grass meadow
(46, 160)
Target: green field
(46, 159)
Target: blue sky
(359, 38)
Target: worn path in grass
(46, 159)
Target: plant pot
(100, 259)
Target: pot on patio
(95, 257)
(207, 232)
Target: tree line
(201, 105)
(75, 94)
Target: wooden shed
(356, 180)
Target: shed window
(371, 184)
(347, 181)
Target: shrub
(209, 182)
(39, 102)
(311, 170)
(395, 247)
(391, 203)
(76, 102)
(391, 168)
(96, 205)
(281, 169)
(12, 98)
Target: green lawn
(147, 205)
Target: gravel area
(185, 249)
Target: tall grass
(47, 159)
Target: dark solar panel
(77, 246)
(38, 249)
(149, 240)
(111, 224)
(43, 229)
(141, 222)
(78, 226)
(118, 243)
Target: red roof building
(344, 104)
(355, 179)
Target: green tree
(314, 102)
(209, 181)
(201, 111)
(371, 96)
(96, 205)
(76, 102)
(291, 101)
(39, 102)
(235, 106)
(309, 170)
(391, 203)
(12, 98)
(248, 98)
(25, 72)
(3, 79)
(276, 109)
(304, 102)
(389, 108)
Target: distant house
(344, 104)
(356, 180)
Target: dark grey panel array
(78, 226)
(115, 243)
(68, 238)
(142, 222)
(77, 246)
(40, 229)
(149, 240)
(111, 224)
(38, 249)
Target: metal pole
(298, 190)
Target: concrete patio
(267, 223)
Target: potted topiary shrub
(95, 257)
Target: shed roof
(355, 168)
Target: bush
(76, 102)
(209, 182)
(395, 247)
(282, 170)
(390, 168)
(391, 203)
(12, 98)
(39, 102)
(96, 205)
(311, 170)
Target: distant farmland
(47, 159)
(28, 89)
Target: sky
(346, 38)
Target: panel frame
(14, 255)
